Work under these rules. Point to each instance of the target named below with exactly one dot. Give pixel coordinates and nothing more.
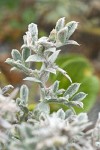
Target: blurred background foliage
(16, 15)
(14, 19)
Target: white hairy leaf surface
(72, 89)
(60, 24)
(35, 58)
(16, 54)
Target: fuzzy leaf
(25, 53)
(42, 39)
(35, 58)
(52, 36)
(43, 107)
(16, 54)
(32, 28)
(51, 70)
(62, 34)
(79, 97)
(61, 114)
(68, 77)
(55, 86)
(54, 56)
(47, 44)
(50, 50)
(24, 93)
(75, 103)
(32, 79)
(6, 88)
(31, 35)
(68, 113)
(21, 67)
(60, 91)
(18, 65)
(44, 76)
(10, 61)
(72, 26)
(64, 73)
(71, 42)
(72, 89)
(25, 39)
(60, 24)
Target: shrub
(39, 129)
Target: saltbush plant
(39, 129)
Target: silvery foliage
(39, 129)
(8, 110)
(46, 50)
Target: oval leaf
(55, 86)
(72, 26)
(24, 92)
(79, 97)
(43, 107)
(54, 56)
(72, 89)
(32, 28)
(35, 58)
(61, 114)
(16, 54)
(25, 53)
(62, 34)
(60, 24)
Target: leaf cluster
(38, 129)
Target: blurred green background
(82, 63)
